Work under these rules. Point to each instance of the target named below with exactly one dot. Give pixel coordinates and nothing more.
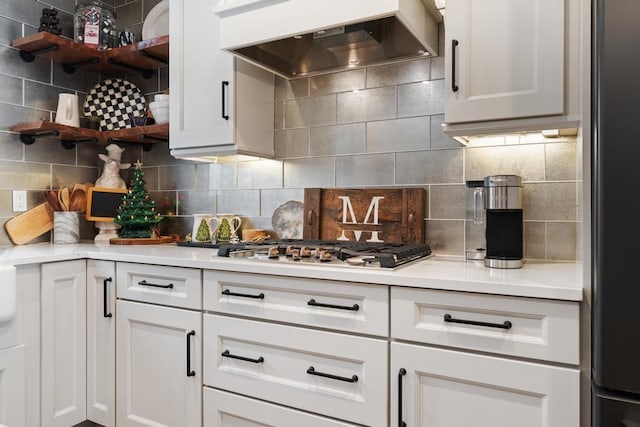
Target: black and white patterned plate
(112, 101)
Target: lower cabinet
(432, 387)
(12, 386)
(338, 375)
(101, 342)
(158, 376)
(63, 343)
(222, 409)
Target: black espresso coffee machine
(494, 229)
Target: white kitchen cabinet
(340, 375)
(159, 284)
(159, 376)
(222, 409)
(448, 388)
(101, 342)
(351, 307)
(219, 105)
(537, 328)
(63, 343)
(505, 59)
(12, 387)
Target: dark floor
(87, 424)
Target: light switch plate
(19, 200)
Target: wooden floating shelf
(143, 57)
(70, 136)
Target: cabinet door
(12, 387)
(504, 59)
(444, 388)
(101, 342)
(159, 377)
(63, 352)
(222, 409)
(201, 77)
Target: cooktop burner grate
(385, 255)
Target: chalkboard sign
(102, 203)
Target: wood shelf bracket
(30, 138)
(31, 55)
(146, 74)
(154, 57)
(71, 68)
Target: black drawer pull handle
(401, 373)
(354, 307)
(224, 101)
(235, 294)
(312, 371)
(105, 300)
(190, 373)
(155, 285)
(246, 359)
(454, 44)
(505, 325)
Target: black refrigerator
(615, 213)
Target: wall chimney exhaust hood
(301, 38)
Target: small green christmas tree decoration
(137, 213)
(204, 233)
(224, 232)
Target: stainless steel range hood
(299, 38)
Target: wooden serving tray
(142, 241)
(391, 215)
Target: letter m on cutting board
(349, 217)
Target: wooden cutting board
(391, 215)
(29, 225)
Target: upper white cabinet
(508, 59)
(219, 105)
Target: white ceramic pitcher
(68, 112)
(201, 222)
(227, 226)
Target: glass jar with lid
(94, 23)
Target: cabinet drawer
(174, 286)
(222, 409)
(283, 364)
(328, 304)
(524, 327)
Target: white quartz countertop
(562, 281)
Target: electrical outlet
(19, 200)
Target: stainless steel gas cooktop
(325, 252)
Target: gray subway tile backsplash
(311, 172)
(379, 126)
(315, 111)
(337, 139)
(291, 143)
(429, 167)
(290, 89)
(527, 161)
(260, 174)
(367, 105)
(398, 73)
(409, 134)
(338, 82)
(364, 170)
